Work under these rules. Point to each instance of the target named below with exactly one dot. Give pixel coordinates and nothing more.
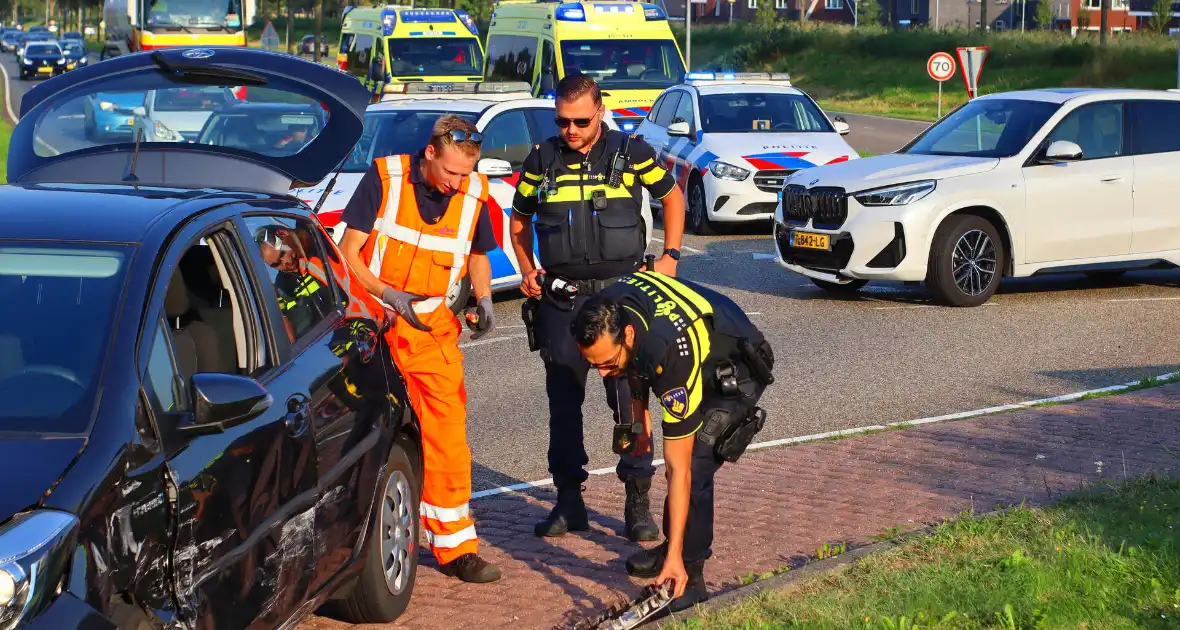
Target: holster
(528, 313)
(731, 433)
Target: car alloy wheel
(396, 528)
(974, 262)
(698, 214)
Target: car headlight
(895, 195)
(34, 551)
(61, 61)
(28, 62)
(164, 133)
(723, 170)
(106, 106)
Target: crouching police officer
(585, 189)
(709, 365)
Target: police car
(731, 140)
(512, 122)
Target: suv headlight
(34, 550)
(164, 133)
(723, 170)
(895, 195)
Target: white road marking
(1150, 299)
(875, 427)
(484, 342)
(682, 246)
(8, 95)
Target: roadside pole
(940, 66)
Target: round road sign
(940, 66)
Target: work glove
(481, 319)
(403, 304)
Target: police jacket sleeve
(652, 175)
(525, 200)
(680, 383)
(361, 211)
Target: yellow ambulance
(626, 46)
(387, 45)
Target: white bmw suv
(1007, 185)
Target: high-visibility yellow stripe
(680, 293)
(526, 189)
(530, 176)
(642, 319)
(642, 165)
(652, 176)
(628, 179)
(570, 192)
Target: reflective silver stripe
(450, 541)
(446, 515)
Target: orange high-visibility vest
(412, 255)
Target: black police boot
(696, 592)
(569, 515)
(471, 568)
(647, 563)
(637, 511)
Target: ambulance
(626, 46)
(385, 46)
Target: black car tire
(371, 600)
(462, 295)
(698, 214)
(841, 289)
(973, 233)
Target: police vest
(569, 228)
(412, 255)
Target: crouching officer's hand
(481, 319)
(403, 304)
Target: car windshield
(277, 131)
(186, 15)
(989, 128)
(755, 112)
(74, 49)
(42, 49)
(625, 64)
(395, 133)
(434, 56)
(60, 304)
(177, 115)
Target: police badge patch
(675, 401)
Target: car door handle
(1112, 179)
(298, 414)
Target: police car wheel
(836, 287)
(458, 297)
(386, 580)
(698, 214)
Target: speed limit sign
(940, 66)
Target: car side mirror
(376, 73)
(679, 129)
(223, 401)
(140, 111)
(1063, 151)
(842, 127)
(493, 167)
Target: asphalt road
(884, 356)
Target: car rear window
(55, 331)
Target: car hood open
(44, 148)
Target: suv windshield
(42, 49)
(761, 112)
(60, 302)
(627, 64)
(990, 128)
(395, 133)
(435, 56)
(74, 49)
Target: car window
(684, 111)
(191, 99)
(668, 108)
(400, 132)
(162, 371)
(56, 331)
(506, 137)
(1155, 126)
(760, 112)
(271, 131)
(298, 271)
(1097, 128)
(654, 112)
(991, 128)
(543, 124)
(379, 57)
(435, 56)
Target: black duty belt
(590, 287)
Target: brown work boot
(471, 568)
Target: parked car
(184, 447)
(72, 36)
(177, 114)
(1010, 184)
(42, 59)
(306, 46)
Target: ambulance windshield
(435, 57)
(187, 15)
(629, 64)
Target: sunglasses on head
(458, 135)
(562, 123)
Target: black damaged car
(201, 424)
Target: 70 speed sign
(941, 66)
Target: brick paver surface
(778, 506)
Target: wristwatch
(674, 253)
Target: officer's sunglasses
(458, 135)
(562, 122)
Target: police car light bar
(472, 87)
(695, 78)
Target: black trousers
(698, 531)
(565, 385)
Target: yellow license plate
(130, 121)
(44, 69)
(807, 240)
(69, 66)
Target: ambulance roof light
(570, 12)
(470, 87)
(428, 15)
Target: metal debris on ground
(627, 615)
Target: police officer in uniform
(582, 194)
(709, 366)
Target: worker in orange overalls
(416, 225)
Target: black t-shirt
(641, 159)
(361, 211)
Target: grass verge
(1105, 557)
(5, 135)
